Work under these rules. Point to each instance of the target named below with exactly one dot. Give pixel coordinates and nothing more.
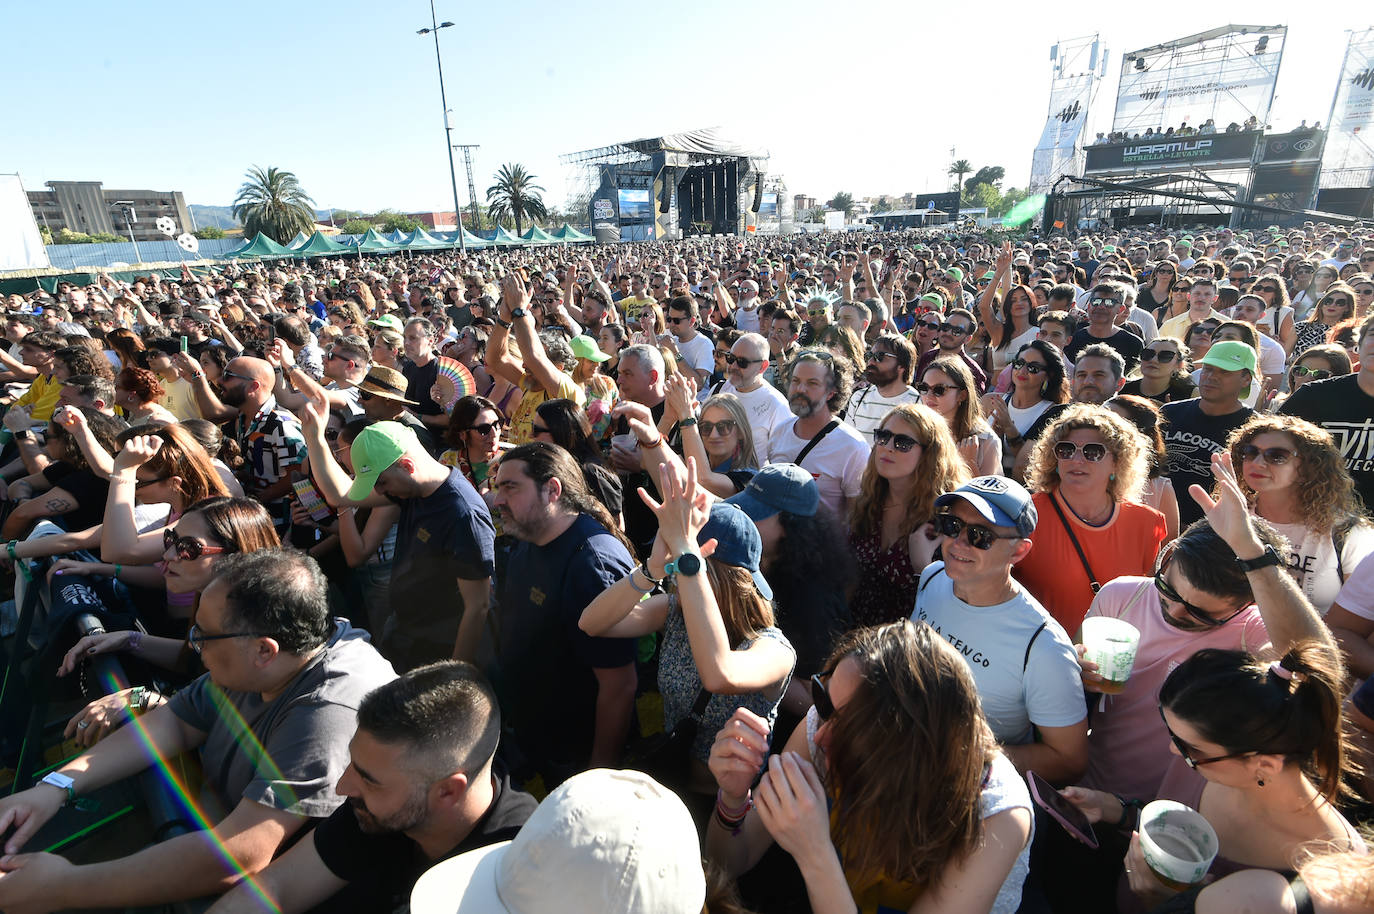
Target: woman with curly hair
(1086, 472)
(913, 462)
(1293, 475)
(869, 829)
(947, 386)
(137, 392)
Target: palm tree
(515, 196)
(273, 203)
(843, 201)
(960, 168)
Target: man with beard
(421, 787)
(445, 541)
(827, 447)
(888, 365)
(567, 696)
(956, 329)
(269, 436)
(1220, 585)
(765, 405)
(1106, 306)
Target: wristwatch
(502, 323)
(61, 782)
(689, 421)
(518, 313)
(689, 564)
(1266, 559)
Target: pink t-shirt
(1128, 746)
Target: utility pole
(435, 26)
(472, 188)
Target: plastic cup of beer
(1178, 843)
(1111, 644)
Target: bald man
(765, 405)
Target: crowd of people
(728, 575)
(1208, 127)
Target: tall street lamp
(435, 26)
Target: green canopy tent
(503, 237)
(536, 235)
(375, 242)
(469, 238)
(571, 235)
(260, 248)
(320, 245)
(421, 240)
(299, 241)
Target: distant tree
(815, 214)
(45, 233)
(67, 236)
(515, 196)
(883, 205)
(959, 169)
(340, 216)
(988, 174)
(983, 195)
(392, 221)
(272, 202)
(356, 227)
(843, 201)
(210, 233)
(1013, 196)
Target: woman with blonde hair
(1293, 475)
(652, 325)
(1086, 471)
(840, 340)
(387, 346)
(947, 387)
(913, 462)
(894, 795)
(718, 436)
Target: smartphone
(183, 344)
(1063, 812)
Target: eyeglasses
(820, 695)
(1182, 288)
(1364, 290)
(1316, 374)
(143, 483)
(1028, 367)
(956, 329)
(364, 395)
(187, 549)
(234, 374)
(1092, 451)
(874, 355)
(723, 427)
(1274, 456)
(817, 312)
(1165, 356)
(1267, 288)
(486, 428)
(882, 437)
(196, 637)
(1167, 591)
(1205, 329)
(1186, 750)
(938, 390)
(976, 535)
(1340, 302)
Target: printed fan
(453, 381)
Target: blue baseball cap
(737, 542)
(1001, 501)
(778, 487)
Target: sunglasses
(234, 374)
(1164, 356)
(817, 312)
(1167, 591)
(820, 695)
(1364, 290)
(1104, 303)
(1274, 456)
(1316, 374)
(741, 361)
(874, 355)
(1340, 302)
(144, 483)
(196, 637)
(539, 430)
(1028, 367)
(956, 329)
(187, 549)
(1205, 329)
(724, 427)
(1186, 751)
(1092, 452)
(1182, 288)
(938, 390)
(678, 320)
(976, 535)
(882, 437)
(486, 428)
(932, 326)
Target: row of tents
(374, 242)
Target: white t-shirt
(867, 407)
(1146, 321)
(1312, 560)
(836, 462)
(1357, 594)
(747, 319)
(767, 409)
(1017, 688)
(699, 352)
(1272, 358)
(1002, 357)
(1266, 323)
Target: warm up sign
(1150, 154)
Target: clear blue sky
(864, 97)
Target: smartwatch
(61, 782)
(688, 564)
(1266, 559)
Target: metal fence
(77, 256)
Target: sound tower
(758, 194)
(730, 172)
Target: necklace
(1094, 520)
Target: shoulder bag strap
(699, 706)
(1025, 661)
(816, 439)
(1092, 578)
(1338, 536)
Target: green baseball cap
(584, 347)
(387, 320)
(1231, 355)
(955, 273)
(933, 299)
(376, 448)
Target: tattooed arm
(51, 503)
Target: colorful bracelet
(635, 587)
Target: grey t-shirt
(296, 746)
(1017, 690)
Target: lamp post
(435, 26)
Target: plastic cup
(1178, 843)
(1111, 644)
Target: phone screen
(1064, 812)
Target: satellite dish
(189, 242)
(166, 226)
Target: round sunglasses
(1274, 456)
(1092, 451)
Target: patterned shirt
(272, 444)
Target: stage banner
(1169, 93)
(1159, 153)
(1062, 139)
(1350, 133)
(21, 246)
